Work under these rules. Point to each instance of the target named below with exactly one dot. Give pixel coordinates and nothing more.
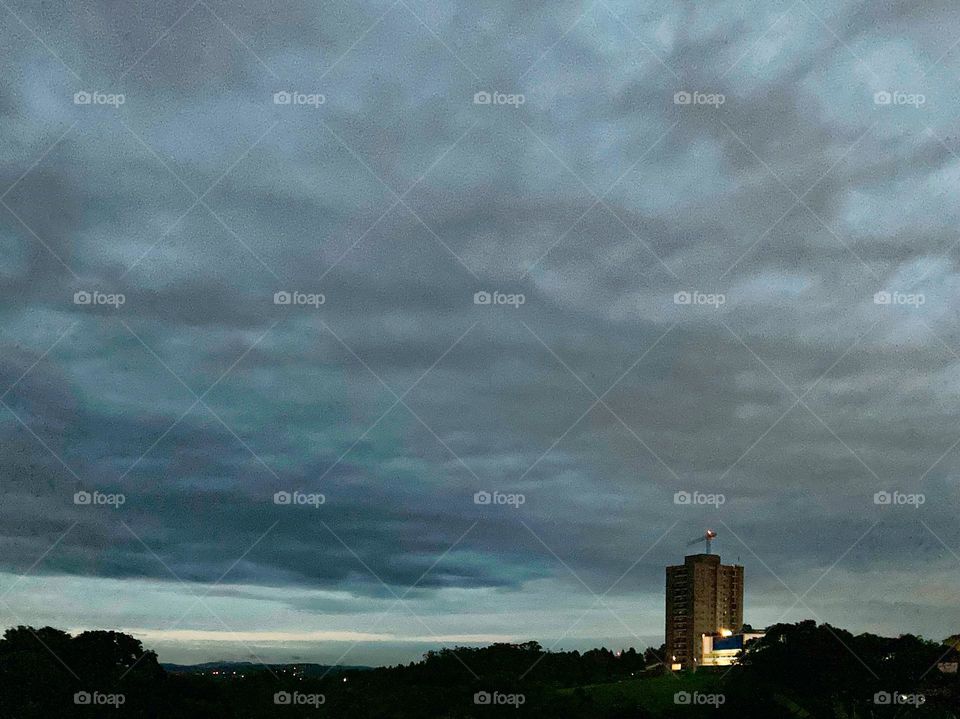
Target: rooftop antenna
(706, 537)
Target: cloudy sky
(683, 214)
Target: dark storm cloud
(397, 198)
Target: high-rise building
(703, 597)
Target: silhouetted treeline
(800, 670)
(822, 671)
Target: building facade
(703, 597)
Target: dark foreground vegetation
(796, 670)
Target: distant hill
(229, 669)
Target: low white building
(720, 650)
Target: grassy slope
(655, 694)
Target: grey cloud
(699, 212)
